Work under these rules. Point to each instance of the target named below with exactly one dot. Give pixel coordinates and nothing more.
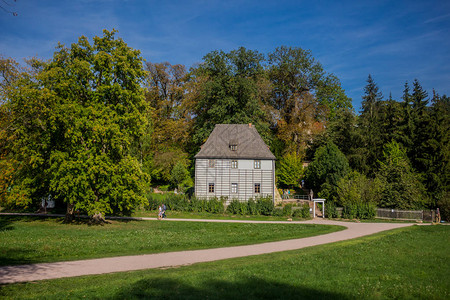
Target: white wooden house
(234, 163)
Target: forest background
(95, 126)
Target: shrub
(297, 213)
(234, 207)
(302, 212)
(252, 207)
(287, 210)
(214, 206)
(196, 205)
(349, 211)
(359, 211)
(243, 208)
(444, 206)
(330, 210)
(366, 211)
(305, 211)
(265, 205)
(278, 212)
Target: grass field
(408, 263)
(31, 239)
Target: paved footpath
(42, 271)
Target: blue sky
(395, 41)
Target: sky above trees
(394, 41)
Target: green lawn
(408, 263)
(32, 239)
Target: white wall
(248, 164)
(222, 175)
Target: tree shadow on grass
(246, 288)
(5, 224)
(18, 256)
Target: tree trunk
(69, 213)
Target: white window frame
(234, 188)
(234, 164)
(257, 164)
(211, 185)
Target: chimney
(249, 125)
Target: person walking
(164, 210)
(159, 212)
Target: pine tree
(420, 120)
(369, 125)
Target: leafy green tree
(179, 174)
(328, 166)
(344, 132)
(401, 187)
(228, 91)
(23, 138)
(80, 120)
(356, 188)
(290, 170)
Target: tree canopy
(77, 123)
(95, 124)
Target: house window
(212, 163)
(211, 188)
(233, 145)
(234, 164)
(257, 164)
(257, 188)
(234, 188)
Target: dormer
(233, 145)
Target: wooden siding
(222, 175)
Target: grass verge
(33, 239)
(407, 263)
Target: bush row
(364, 211)
(178, 202)
(259, 206)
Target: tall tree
(24, 147)
(369, 124)
(172, 119)
(328, 166)
(290, 170)
(420, 120)
(229, 91)
(401, 187)
(79, 120)
(304, 96)
(438, 172)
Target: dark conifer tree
(369, 125)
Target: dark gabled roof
(249, 143)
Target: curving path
(42, 271)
